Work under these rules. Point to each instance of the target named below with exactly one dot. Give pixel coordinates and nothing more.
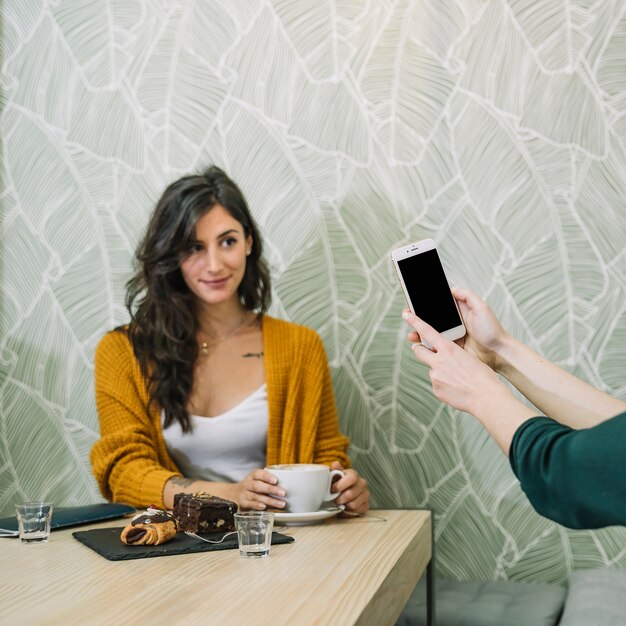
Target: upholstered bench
(593, 597)
(493, 603)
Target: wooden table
(342, 571)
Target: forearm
(501, 413)
(129, 460)
(555, 392)
(127, 468)
(180, 484)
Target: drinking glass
(254, 532)
(33, 520)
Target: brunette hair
(163, 323)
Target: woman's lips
(215, 284)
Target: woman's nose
(212, 259)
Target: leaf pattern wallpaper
(497, 127)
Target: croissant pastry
(151, 528)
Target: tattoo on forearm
(247, 355)
(181, 481)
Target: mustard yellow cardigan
(130, 461)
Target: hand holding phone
(426, 287)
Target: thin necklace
(204, 345)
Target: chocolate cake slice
(203, 513)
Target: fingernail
(405, 315)
(281, 492)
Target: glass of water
(33, 520)
(254, 531)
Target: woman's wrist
(504, 352)
(232, 492)
(181, 484)
(228, 491)
(487, 399)
(501, 414)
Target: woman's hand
(257, 490)
(485, 335)
(465, 382)
(458, 377)
(353, 489)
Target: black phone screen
(429, 291)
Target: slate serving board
(107, 543)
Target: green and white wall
(496, 127)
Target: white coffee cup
(306, 485)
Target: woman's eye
(195, 247)
(229, 241)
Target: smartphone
(426, 287)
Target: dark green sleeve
(574, 477)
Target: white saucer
(302, 519)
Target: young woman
(203, 389)
(570, 464)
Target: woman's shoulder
(279, 331)
(284, 337)
(115, 342)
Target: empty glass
(33, 520)
(254, 532)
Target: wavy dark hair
(163, 322)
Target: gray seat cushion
(497, 603)
(596, 596)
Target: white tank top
(225, 448)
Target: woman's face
(216, 263)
